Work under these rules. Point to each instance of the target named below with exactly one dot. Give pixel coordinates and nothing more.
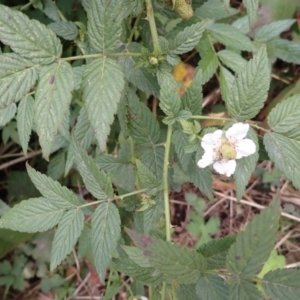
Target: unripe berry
(183, 9)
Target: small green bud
(153, 60)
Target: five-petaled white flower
(222, 148)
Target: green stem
(137, 181)
(61, 15)
(26, 6)
(113, 198)
(227, 120)
(151, 19)
(98, 55)
(136, 22)
(166, 195)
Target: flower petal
(206, 159)
(211, 141)
(225, 167)
(244, 147)
(237, 131)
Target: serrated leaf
(286, 50)
(282, 284)
(285, 152)
(208, 64)
(180, 264)
(242, 24)
(59, 195)
(78, 74)
(142, 124)
(246, 166)
(65, 29)
(230, 37)
(109, 163)
(106, 232)
(56, 166)
(50, 10)
(66, 235)
(254, 245)
(215, 252)
(252, 9)
(25, 121)
(284, 116)
(140, 78)
(244, 290)
(192, 98)
(187, 39)
(170, 101)
(215, 10)
(6, 114)
(102, 86)
(52, 100)
(250, 89)
(29, 38)
(271, 30)
(232, 60)
(212, 287)
(186, 292)
(32, 215)
(96, 181)
(17, 76)
(104, 24)
(136, 255)
(226, 82)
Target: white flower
(222, 148)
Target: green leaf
(285, 152)
(215, 252)
(106, 232)
(56, 166)
(254, 245)
(209, 61)
(104, 24)
(284, 116)
(176, 263)
(6, 114)
(192, 98)
(102, 86)
(52, 100)
(78, 74)
(226, 82)
(59, 195)
(215, 10)
(25, 121)
(250, 89)
(232, 60)
(252, 8)
(143, 126)
(170, 101)
(212, 287)
(186, 292)
(96, 181)
(282, 284)
(271, 30)
(29, 38)
(140, 78)
(66, 235)
(246, 166)
(285, 50)
(49, 9)
(230, 37)
(109, 163)
(244, 290)
(187, 39)
(136, 255)
(66, 29)
(32, 215)
(15, 70)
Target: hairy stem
(154, 35)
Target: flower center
(228, 151)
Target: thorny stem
(151, 20)
(98, 55)
(227, 120)
(113, 198)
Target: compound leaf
(6, 114)
(66, 29)
(252, 8)
(52, 100)
(102, 86)
(66, 235)
(212, 287)
(244, 290)
(29, 38)
(32, 215)
(106, 232)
